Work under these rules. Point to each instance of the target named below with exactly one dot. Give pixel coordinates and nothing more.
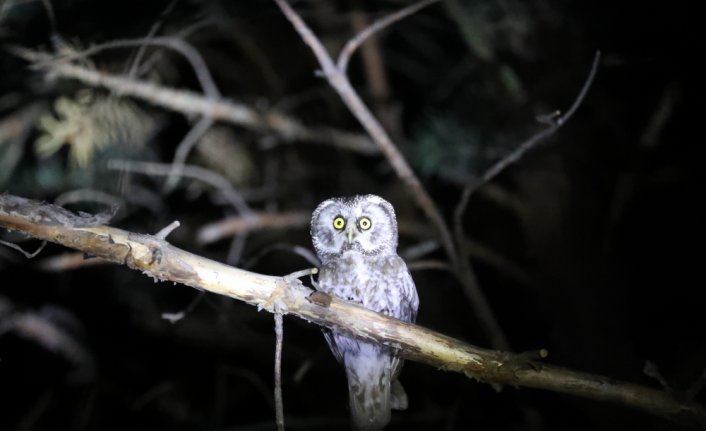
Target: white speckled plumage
(360, 264)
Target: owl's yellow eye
(364, 223)
(339, 223)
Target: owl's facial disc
(364, 224)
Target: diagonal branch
(156, 258)
(345, 56)
(187, 143)
(343, 87)
(460, 209)
(134, 67)
(554, 124)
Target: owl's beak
(350, 232)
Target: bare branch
(235, 251)
(492, 172)
(425, 265)
(196, 172)
(68, 262)
(26, 254)
(89, 195)
(300, 251)
(51, 16)
(175, 317)
(150, 34)
(183, 150)
(40, 327)
(234, 225)
(279, 405)
(554, 126)
(355, 42)
(190, 103)
(159, 259)
(165, 231)
(191, 54)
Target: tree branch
(553, 125)
(157, 258)
(338, 80)
(207, 176)
(345, 56)
(233, 225)
(279, 404)
(191, 103)
(208, 85)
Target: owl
(356, 240)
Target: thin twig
(696, 387)
(89, 195)
(175, 317)
(40, 327)
(150, 35)
(477, 251)
(494, 170)
(26, 254)
(520, 151)
(300, 251)
(196, 172)
(68, 262)
(661, 116)
(651, 370)
(237, 224)
(51, 16)
(183, 34)
(353, 43)
(377, 81)
(419, 250)
(183, 150)
(429, 264)
(279, 407)
(235, 251)
(165, 231)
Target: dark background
(589, 247)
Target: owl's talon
(299, 274)
(320, 298)
(398, 396)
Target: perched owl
(356, 241)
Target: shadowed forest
(569, 233)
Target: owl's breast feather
(360, 279)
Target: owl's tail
(369, 374)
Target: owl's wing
(407, 300)
(406, 303)
(331, 341)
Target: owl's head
(364, 224)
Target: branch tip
(165, 231)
